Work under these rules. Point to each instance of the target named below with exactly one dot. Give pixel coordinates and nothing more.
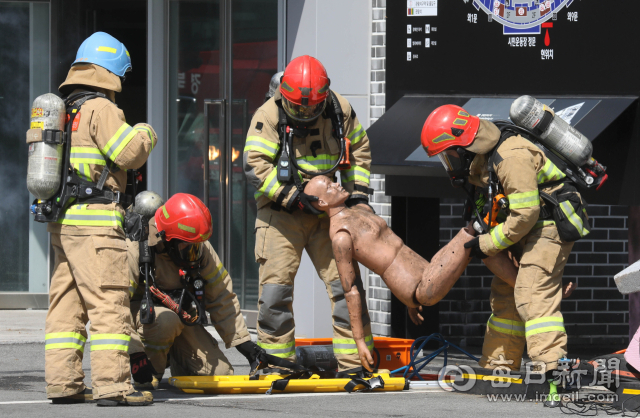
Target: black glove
(304, 202)
(141, 368)
(474, 244)
(251, 351)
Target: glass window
(24, 60)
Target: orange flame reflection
(213, 153)
(234, 154)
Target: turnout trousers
(530, 313)
(280, 239)
(90, 283)
(193, 351)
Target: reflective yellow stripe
(356, 173)
(499, 239)
(57, 340)
(149, 134)
(164, 211)
(357, 134)
(217, 275)
(80, 215)
(133, 286)
(506, 326)
(542, 224)
(157, 346)
(186, 228)
(110, 342)
(270, 184)
(524, 200)
(118, 141)
(549, 172)
(279, 350)
(545, 324)
(348, 345)
(318, 163)
(107, 49)
(86, 155)
(255, 143)
(573, 217)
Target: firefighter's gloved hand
(304, 202)
(474, 244)
(251, 351)
(141, 368)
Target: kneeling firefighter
(77, 171)
(186, 280)
(304, 130)
(542, 215)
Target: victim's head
(330, 195)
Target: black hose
(292, 158)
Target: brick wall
(379, 295)
(596, 313)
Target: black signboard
(579, 56)
(514, 47)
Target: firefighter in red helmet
(478, 152)
(187, 268)
(304, 130)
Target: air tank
(147, 203)
(559, 136)
(45, 161)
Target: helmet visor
(190, 252)
(303, 113)
(451, 160)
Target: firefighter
(530, 312)
(286, 222)
(178, 235)
(90, 279)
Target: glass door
(222, 55)
(196, 107)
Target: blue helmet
(106, 51)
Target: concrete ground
(22, 391)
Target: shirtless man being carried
(358, 235)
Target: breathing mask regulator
(188, 256)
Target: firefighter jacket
(220, 300)
(520, 167)
(101, 136)
(318, 151)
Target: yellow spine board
(242, 384)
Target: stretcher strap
(356, 375)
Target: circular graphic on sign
(519, 14)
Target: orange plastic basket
(394, 352)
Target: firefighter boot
(86, 396)
(133, 399)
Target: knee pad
(275, 316)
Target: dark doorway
(126, 20)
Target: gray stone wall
(379, 294)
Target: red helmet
(448, 126)
(184, 217)
(304, 88)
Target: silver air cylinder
(45, 160)
(147, 203)
(558, 135)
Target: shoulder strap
(335, 113)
